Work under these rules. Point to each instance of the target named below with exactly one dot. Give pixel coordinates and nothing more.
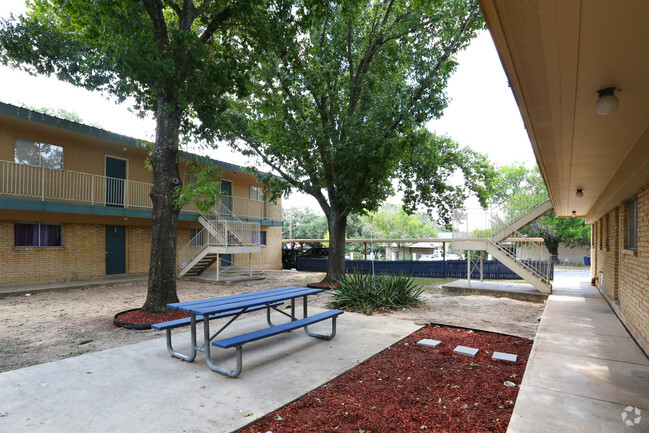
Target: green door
(226, 198)
(226, 260)
(115, 180)
(115, 250)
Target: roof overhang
(557, 54)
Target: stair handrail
(471, 223)
(521, 262)
(193, 248)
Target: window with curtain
(38, 154)
(257, 193)
(261, 240)
(38, 235)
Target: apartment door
(115, 180)
(115, 250)
(226, 198)
(226, 260)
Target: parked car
(290, 257)
(439, 257)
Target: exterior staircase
(496, 232)
(223, 233)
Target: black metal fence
(492, 269)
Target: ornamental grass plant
(367, 293)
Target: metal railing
(485, 223)
(228, 234)
(38, 183)
(513, 248)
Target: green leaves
(338, 105)
(368, 293)
(516, 185)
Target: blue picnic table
(235, 306)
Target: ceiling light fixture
(579, 193)
(607, 101)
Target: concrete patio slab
(568, 413)
(518, 291)
(584, 368)
(592, 345)
(141, 388)
(615, 381)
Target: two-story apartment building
(74, 204)
(579, 73)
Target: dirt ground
(49, 326)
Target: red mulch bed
(411, 388)
(137, 317)
(322, 285)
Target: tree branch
(440, 61)
(174, 6)
(216, 22)
(154, 9)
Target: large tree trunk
(337, 229)
(166, 177)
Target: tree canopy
(391, 221)
(338, 111)
(516, 182)
(180, 59)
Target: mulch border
(135, 326)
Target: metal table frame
(243, 301)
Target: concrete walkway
(584, 368)
(140, 388)
(111, 280)
(519, 291)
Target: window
(38, 154)
(632, 224)
(196, 237)
(38, 235)
(257, 193)
(261, 240)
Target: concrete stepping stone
(429, 343)
(502, 356)
(467, 351)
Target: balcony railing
(43, 184)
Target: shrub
(369, 293)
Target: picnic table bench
(234, 306)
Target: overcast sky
(482, 114)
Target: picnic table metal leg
(192, 355)
(268, 317)
(322, 336)
(208, 356)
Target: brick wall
(82, 256)
(270, 256)
(610, 252)
(634, 281)
(626, 272)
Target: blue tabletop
(243, 300)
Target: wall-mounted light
(607, 101)
(574, 213)
(124, 148)
(579, 193)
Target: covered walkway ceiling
(557, 54)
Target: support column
(218, 266)
(468, 267)
(481, 267)
(250, 264)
